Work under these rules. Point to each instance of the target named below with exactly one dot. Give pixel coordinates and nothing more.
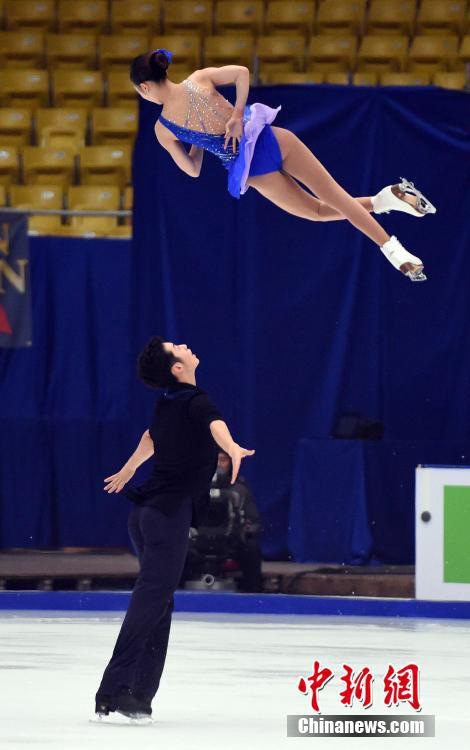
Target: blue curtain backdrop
(294, 321)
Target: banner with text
(15, 290)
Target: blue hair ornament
(166, 52)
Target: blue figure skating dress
(204, 117)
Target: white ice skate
(403, 260)
(392, 198)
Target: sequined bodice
(204, 121)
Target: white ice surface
(229, 681)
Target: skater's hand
(117, 481)
(236, 453)
(233, 130)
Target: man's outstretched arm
(144, 450)
(223, 438)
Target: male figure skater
(185, 430)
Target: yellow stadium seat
(78, 88)
(120, 91)
(188, 17)
(405, 79)
(128, 203)
(441, 17)
(3, 195)
(40, 197)
(47, 166)
(186, 51)
(340, 17)
(432, 53)
(466, 23)
(24, 88)
(76, 51)
(282, 53)
(21, 49)
(449, 80)
(61, 128)
(463, 55)
(229, 50)
(15, 126)
(105, 165)
(330, 53)
(118, 51)
(287, 78)
(114, 125)
(365, 79)
(294, 17)
(136, 17)
(239, 17)
(391, 17)
(30, 14)
(180, 74)
(381, 54)
(97, 198)
(337, 77)
(9, 165)
(83, 15)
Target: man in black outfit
(184, 435)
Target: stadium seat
(381, 54)
(93, 197)
(180, 74)
(78, 88)
(83, 15)
(113, 126)
(15, 126)
(287, 78)
(337, 77)
(76, 51)
(3, 195)
(25, 14)
(365, 79)
(239, 17)
(186, 50)
(463, 55)
(120, 91)
(187, 17)
(39, 197)
(284, 53)
(47, 166)
(136, 17)
(405, 79)
(432, 53)
(229, 50)
(61, 128)
(105, 165)
(343, 17)
(449, 79)
(21, 49)
(117, 51)
(294, 17)
(24, 88)
(391, 17)
(9, 165)
(330, 53)
(441, 17)
(128, 203)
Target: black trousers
(161, 544)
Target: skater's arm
(223, 438)
(189, 161)
(237, 74)
(144, 450)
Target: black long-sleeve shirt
(185, 452)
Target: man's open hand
(117, 481)
(236, 453)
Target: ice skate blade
(416, 275)
(119, 719)
(423, 206)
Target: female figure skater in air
(270, 159)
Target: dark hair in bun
(149, 67)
